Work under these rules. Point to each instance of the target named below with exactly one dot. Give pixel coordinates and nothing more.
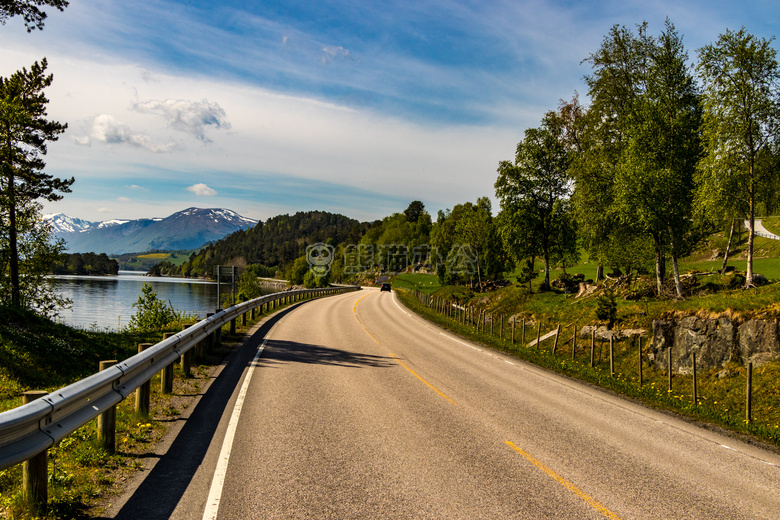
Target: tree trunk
(660, 263)
(675, 268)
(479, 275)
(599, 271)
(751, 231)
(16, 298)
(728, 248)
(677, 282)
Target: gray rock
(713, 342)
(758, 342)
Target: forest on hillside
(270, 246)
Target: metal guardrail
(30, 429)
(766, 235)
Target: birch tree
(741, 80)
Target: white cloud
(192, 117)
(137, 187)
(201, 190)
(124, 199)
(334, 52)
(107, 129)
(104, 210)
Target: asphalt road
(357, 409)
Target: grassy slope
(721, 392)
(42, 355)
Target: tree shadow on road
(279, 351)
(161, 490)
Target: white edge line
(215, 494)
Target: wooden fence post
(640, 361)
(695, 389)
(670, 369)
(749, 397)
(592, 346)
(35, 478)
(522, 337)
(514, 322)
(538, 333)
(574, 342)
(612, 355)
(555, 343)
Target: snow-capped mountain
(187, 229)
(62, 223)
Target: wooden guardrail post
(166, 376)
(106, 421)
(143, 392)
(670, 369)
(205, 346)
(218, 337)
(35, 478)
(557, 334)
(186, 360)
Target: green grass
(422, 282)
(720, 400)
(37, 354)
(721, 391)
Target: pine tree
(24, 134)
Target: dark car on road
(384, 287)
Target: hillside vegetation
(270, 246)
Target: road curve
(357, 409)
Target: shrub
(152, 313)
(606, 307)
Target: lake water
(106, 302)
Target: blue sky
(355, 107)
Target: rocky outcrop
(715, 342)
(758, 342)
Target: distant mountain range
(188, 229)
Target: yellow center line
(398, 360)
(423, 380)
(568, 485)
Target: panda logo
(320, 256)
